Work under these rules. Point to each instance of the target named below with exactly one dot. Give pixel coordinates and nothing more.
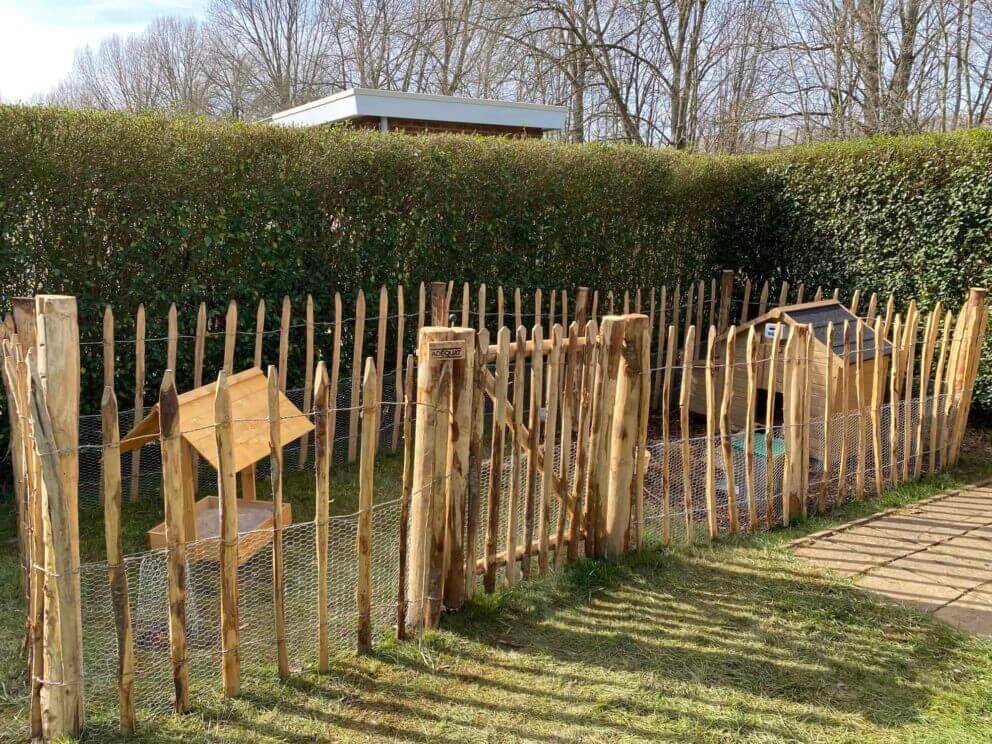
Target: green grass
(736, 641)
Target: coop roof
(819, 315)
(249, 414)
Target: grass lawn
(738, 641)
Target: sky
(38, 37)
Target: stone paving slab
(935, 556)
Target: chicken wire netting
(665, 512)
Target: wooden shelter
(818, 315)
(250, 429)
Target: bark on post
(437, 347)
(110, 486)
(55, 400)
(363, 536)
(624, 434)
(227, 486)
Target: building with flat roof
(416, 113)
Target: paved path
(935, 555)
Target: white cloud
(38, 39)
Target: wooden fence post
(323, 446)
(457, 462)
(307, 381)
(363, 537)
(407, 489)
(496, 456)
(110, 486)
(56, 391)
(726, 294)
(276, 473)
(139, 395)
(604, 398)
(475, 460)
(227, 486)
(624, 435)
(356, 378)
(439, 304)
(427, 507)
(171, 444)
(977, 321)
(685, 399)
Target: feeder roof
(249, 414)
(819, 315)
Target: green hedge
(128, 209)
(910, 215)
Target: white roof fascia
(356, 102)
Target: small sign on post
(447, 350)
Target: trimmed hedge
(128, 209)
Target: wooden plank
(517, 317)
(110, 486)
(363, 527)
(926, 370)
(230, 336)
(790, 416)
(421, 308)
(332, 393)
(275, 474)
(909, 363)
(726, 293)
(818, 296)
(855, 301)
(845, 401)
(894, 401)
(259, 332)
(500, 309)
(139, 394)
(227, 487)
(859, 383)
(752, 402)
(666, 400)
(828, 414)
(108, 347)
(172, 338)
(513, 504)
(482, 306)
(457, 467)
(284, 321)
(550, 436)
(800, 292)
(641, 453)
(712, 317)
(493, 490)
(746, 301)
(594, 309)
(473, 505)
(700, 303)
(356, 365)
(539, 307)
(399, 410)
(660, 352)
(323, 448)
(380, 341)
(726, 444)
(604, 401)
(626, 301)
(466, 307)
(783, 297)
(763, 300)
(199, 353)
(583, 444)
(676, 299)
(307, 379)
(534, 426)
(685, 398)
(945, 376)
(172, 490)
(711, 420)
(57, 349)
(872, 307)
(439, 304)
(770, 386)
(877, 400)
(409, 402)
(571, 374)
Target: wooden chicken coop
(250, 430)
(784, 319)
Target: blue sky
(38, 37)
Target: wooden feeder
(250, 429)
(818, 315)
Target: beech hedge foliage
(125, 209)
